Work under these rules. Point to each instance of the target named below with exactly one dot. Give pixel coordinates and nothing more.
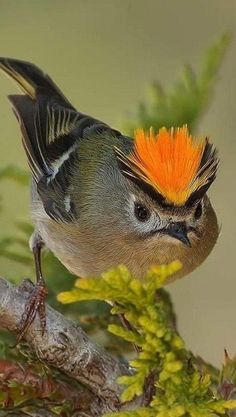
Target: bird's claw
(35, 303)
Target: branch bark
(65, 346)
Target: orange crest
(172, 162)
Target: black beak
(179, 231)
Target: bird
(100, 198)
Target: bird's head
(168, 175)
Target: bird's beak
(179, 231)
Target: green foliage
(188, 99)
(181, 389)
(228, 378)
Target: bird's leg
(149, 385)
(36, 300)
(126, 324)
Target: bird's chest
(64, 244)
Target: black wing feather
(51, 129)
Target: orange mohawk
(178, 167)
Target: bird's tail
(43, 112)
(30, 79)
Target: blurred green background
(103, 54)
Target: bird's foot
(35, 303)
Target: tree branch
(65, 346)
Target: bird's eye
(141, 212)
(198, 211)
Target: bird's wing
(51, 130)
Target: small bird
(100, 198)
